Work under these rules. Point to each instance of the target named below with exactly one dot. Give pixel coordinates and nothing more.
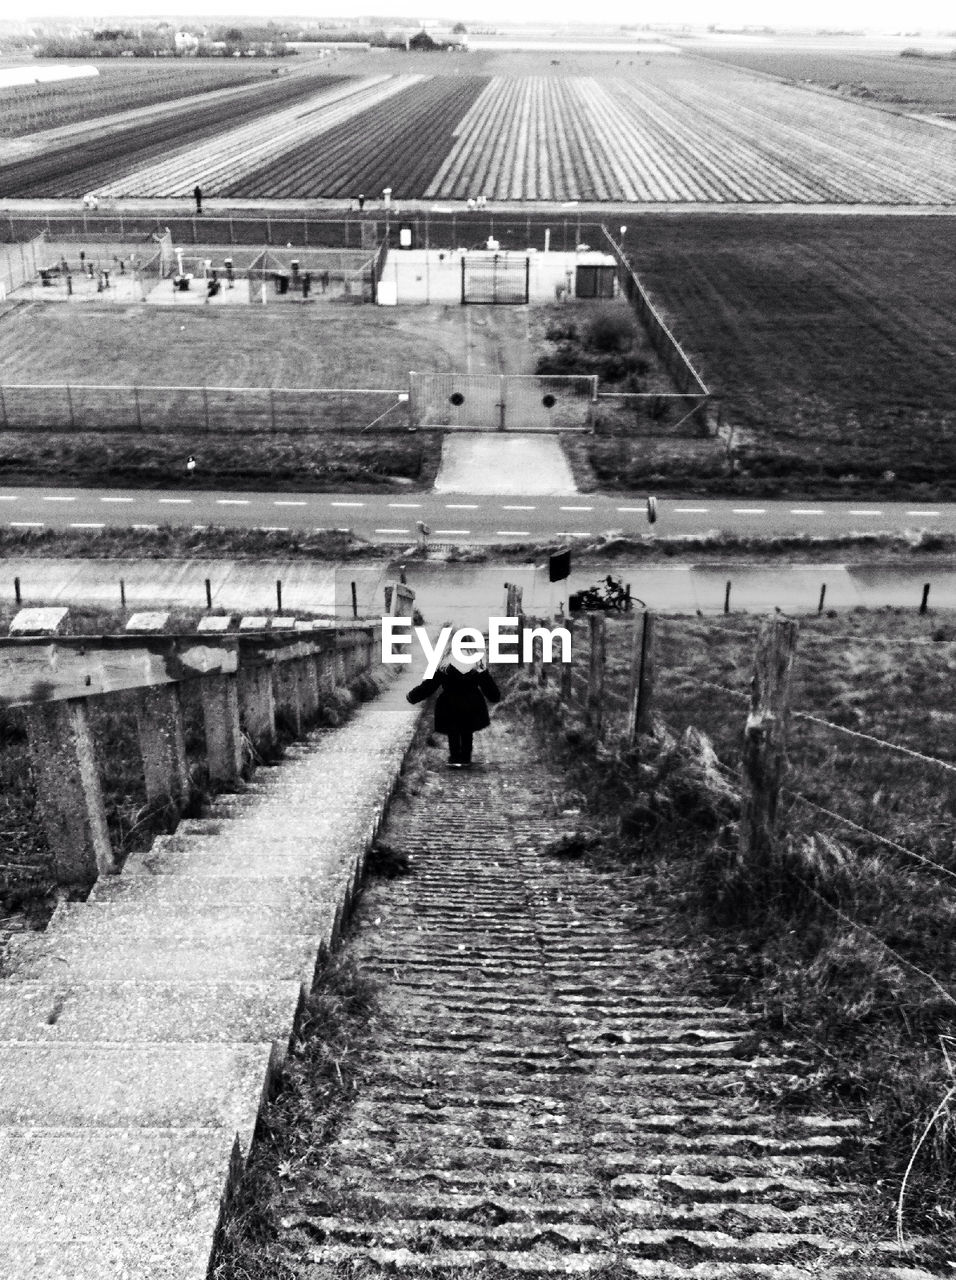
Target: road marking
(806, 511)
(818, 568)
(866, 513)
(9, 497)
(575, 508)
(923, 513)
(282, 502)
(200, 527)
(696, 511)
(749, 511)
(346, 504)
(176, 502)
(145, 526)
(461, 506)
(232, 502)
(449, 531)
(519, 508)
(117, 499)
(574, 533)
(406, 506)
(92, 524)
(273, 528)
(630, 509)
(56, 497)
(26, 524)
(512, 533)
(390, 531)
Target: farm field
(118, 87)
(912, 84)
(660, 129)
(830, 342)
(81, 165)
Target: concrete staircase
(140, 1032)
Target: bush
(610, 331)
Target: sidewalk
(139, 1033)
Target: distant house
(186, 43)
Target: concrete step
(62, 1011)
(141, 1192)
(133, 1086)
(304, 902)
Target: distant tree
(459, 29)
(421, 40)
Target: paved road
(458, 518)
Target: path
(509, 464)
(542, 1094)
(139, 1032)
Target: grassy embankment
(840, 941)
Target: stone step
(77, 922)
(67, 1011)
(141, 1191)
(303, 901)
(130, 1086)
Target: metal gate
(495, 278)
(501, 402)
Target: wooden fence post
(764, 750)
(68, 790)
(641, 685)
(597, 623)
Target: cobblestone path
(546, 1097)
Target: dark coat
(461, 705)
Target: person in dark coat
(461, 709)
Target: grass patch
(317, 464)
(180, 542)
(876, 1036)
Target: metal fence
(20, 263)
(502, 402)
(60, 407)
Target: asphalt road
(459, 518)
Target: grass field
(351, 346)
(830, 342)
(909, 84)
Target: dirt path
(543, 1095)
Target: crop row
(396, 143)
(684, 137)
(225, 158)
(52, 104)
(86, 164)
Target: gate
(495, 278)
(501, 402)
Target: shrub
(610, 331)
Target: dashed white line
(630, 509)
(145, 526)
(175, 502)
(575, 508)
(866, 513)
(450, 531)
(26, 524)
(512, 533)
(117, 499)
(461, 506)
(232, 502)
(9, 497)
(391, 531)
(519, 508)
(346, 504)
(405, 506)
(924, 513)
(200, 527)
(283, 502)
(749, 511)
(89, 524)
(806, 511)
(274, 528)
(57, 497)
(690, 511)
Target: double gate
(501, 402)
(495, 278)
